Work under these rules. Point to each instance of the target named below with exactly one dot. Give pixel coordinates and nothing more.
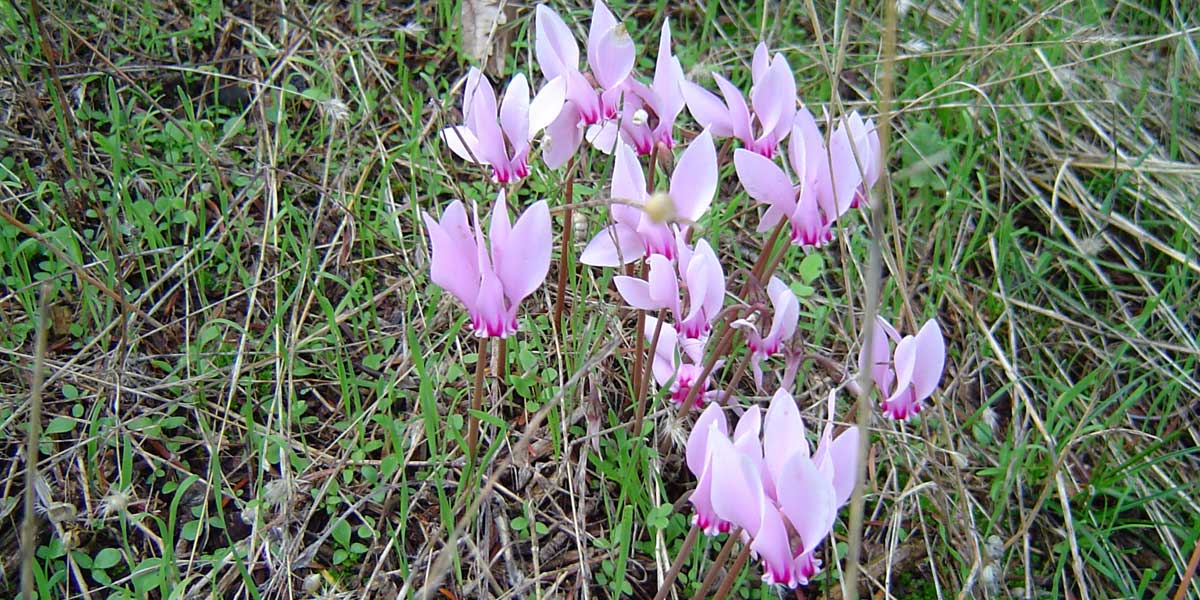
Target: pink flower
(635, 234)
(490, 284)
(649, 111)
(679, 365)
(700, 273)
(785, 314)
(772, 97)
(590, 103)
(500, 135)
(783, 498)
(865, 139)
(907, 376)
(823, 191)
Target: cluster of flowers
(782, 497)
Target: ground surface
(250, 381)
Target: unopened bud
(312, 583)
(660, 207)
(580, 224)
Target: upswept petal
(546, 105)
(713, 292)
(707, 109)
(665, 363)
(931, 359)
(878, 358)
(746, 435)
(668, 81)
(563, 137)
(453, 265)
(514, 111)
(774, 550)
(739, 499)
(488, 313)
(807, 497)
(697, 444)
(844, 176)
(526, 253)
(610, 48)
(774, 97)
(484, 122)
(694, 181)
(843, 453)
(462, 142)
(635, 292)
(554, 44)
(905, 361)
(783, 434)
(739, 113)
(615, 245)
(761, 62)
(787, 310)
(628, 181)
(764, 180)
(603, 136)
(663, 283)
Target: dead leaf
(483, 37)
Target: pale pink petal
(774, 550)
(514, 110)
(844, 176)
(635, 292)
(694, 181)
(746, 435)
(787, 310)
(807, 498)
(489, 316)
(557, 52)
(663, 283)
(697, 444)
(783, 434)
(610, 49)
(462, 142)
(546, 105)
(878, 358)
(843, 453)
(774, 97)
(665, 363)
(628, 182)
(931, 359)
(452, 265)
(739, 113)
(707, 109)
(764, 180)
(614, 246)
(762, 61)
(526, 253)
(737, 494)
(668, 81)
(603, 136)
(563, 137)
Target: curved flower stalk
(679, 365)
(701, 275)
(907, 376)
(590, 102)
(500, 135)
(785, 314)
(823, 191)
(784, 497)
(649, 111)
(490, 280)
(772, 98)
(635, 233)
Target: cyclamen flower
(702, 276)
(649, 111)
(679, 365)
(772, 97)
(500, 135)
(785, 314)
(907, 376)
(826, 181)
(865, 139)
(634, 233)
(610, 54)
(490, 281)
(783, 497)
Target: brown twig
(1181, 593)
(677, 564)
(731, 576)
(714, 570)
(28, 525)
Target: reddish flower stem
(714, 570)
(645, 383)
(731, 576)
(476, 402)
(565, 246)
(677, 564)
